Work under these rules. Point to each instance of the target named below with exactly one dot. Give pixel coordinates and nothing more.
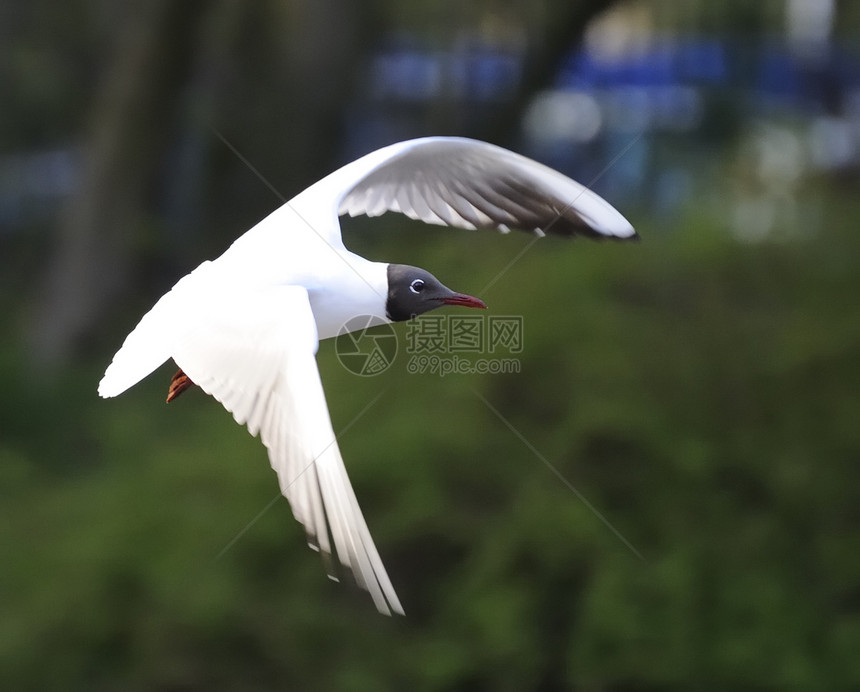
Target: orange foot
(178, 384)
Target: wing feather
(264, 372)
(467, 183)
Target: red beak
(465, 301)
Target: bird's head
(414, 291)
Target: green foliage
(699, 393)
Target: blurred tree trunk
(129, 122)
(563, 29)
(304, 56)
(330, 47)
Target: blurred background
(699, 389)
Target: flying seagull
(245, 327)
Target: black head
(414, 291)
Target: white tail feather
(151, 342)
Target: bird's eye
(417, 286)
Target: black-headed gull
(245, 327)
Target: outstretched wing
(466, 183)
(263, 371)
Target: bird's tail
(151, 342)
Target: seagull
(245, 327)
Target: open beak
(465, 301)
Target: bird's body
(245, 327)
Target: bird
(245, 327)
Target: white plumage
(245, 327)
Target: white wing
(466, 183)
(264, 372)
